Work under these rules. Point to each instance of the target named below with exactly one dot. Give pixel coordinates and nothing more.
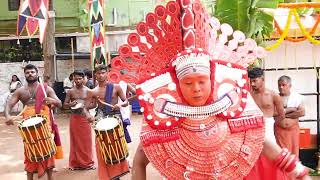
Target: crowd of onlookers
(68, 81)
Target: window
(13, 5)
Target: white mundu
(269, 129)
(125, 111)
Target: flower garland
(305, 33)
(284, 34)
(314, 28)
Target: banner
(33, 16)
(97, 32)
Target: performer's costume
(220, 140)
(289, 137)
(39, 108)
(265, 169)
(108, 171)
(80, 156)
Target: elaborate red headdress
(172, 29)
(220, 140)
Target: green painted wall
(5, 14)
(71, 15)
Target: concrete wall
(295, 55)
(64, 68)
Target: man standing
(106, 96)
(287, 130)
(32, 97)
(80, 131)
(268, 101)
(270, 104)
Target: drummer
(33, 98)
(80, 156)
(106, 96)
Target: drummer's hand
(73, 103)
(49, 101)
(9, 121)
(91, 119)
(116, 107)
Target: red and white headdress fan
(227, 136)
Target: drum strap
(108, 96)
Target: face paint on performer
(193, 72)
(195, 88)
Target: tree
(249, 16)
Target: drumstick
(18, 116)
(22, 111)
(45, 95)
(105, 103)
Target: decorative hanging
(293, 11)
(97, 32)
(283, 35)
(33, 15)
(305, 33)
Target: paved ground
(11, 153)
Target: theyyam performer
(200, 121)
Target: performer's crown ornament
(192, 62)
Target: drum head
(77, 106)
(107, 123)
(32, 121)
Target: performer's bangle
(292, 164)
(281, 156)
(299, 171)
(303, 173)
(285, 161)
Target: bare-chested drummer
(106, 96)
(34, 103)
(80, 156)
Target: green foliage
(247, 16)
(233, 12)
